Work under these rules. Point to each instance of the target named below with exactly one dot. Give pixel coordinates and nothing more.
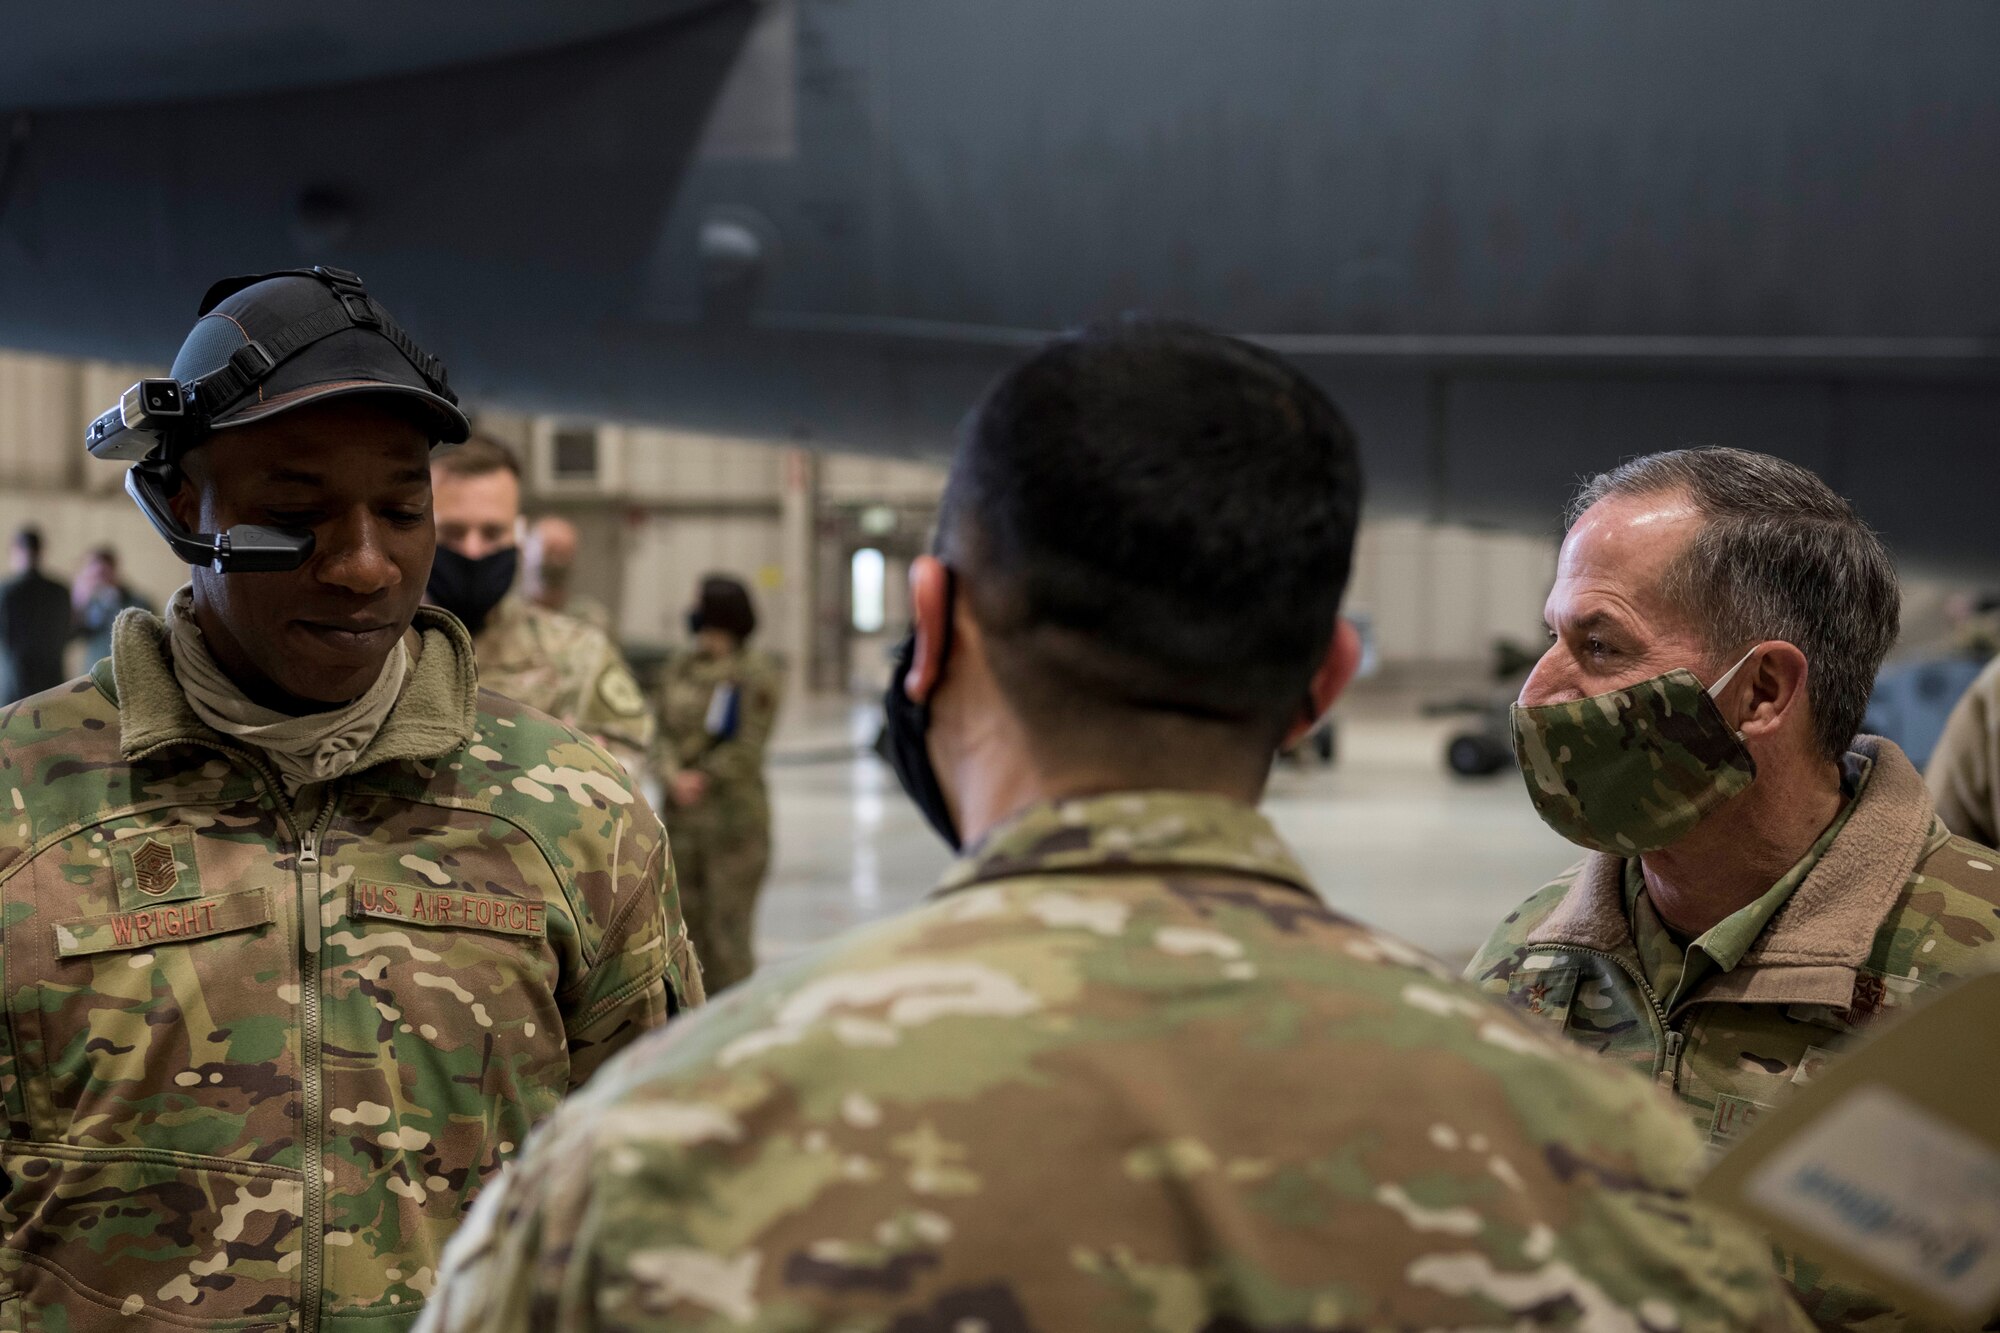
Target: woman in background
(718, 702)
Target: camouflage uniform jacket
(1125, 1071)
(1893, 906)
(734, 762)
(589, 610)
(1964, 773)
(569, 670)
(221, 1111)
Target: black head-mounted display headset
(265, 344)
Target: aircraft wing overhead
(125, 52)
(518, 192)
(1518, 242)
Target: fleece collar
(435, 714)
(1815, 945)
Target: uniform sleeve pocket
(1544, 987)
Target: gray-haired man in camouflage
(1124, 1070)
(1763, 881)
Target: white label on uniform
(1811, 1064)
(1880, 1177)
(720, 721)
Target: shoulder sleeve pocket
(1544, 986)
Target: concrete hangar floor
(1388, 833)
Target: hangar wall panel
(40, 427)
(687, 466)
(1443, 594)
(859, 479)
(667, 556)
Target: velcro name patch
(168, 923)
(447, 908)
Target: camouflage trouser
(720, 865)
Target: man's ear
(1769, 688)
(930, 614)
(1336, 669)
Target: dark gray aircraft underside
(1518, 241)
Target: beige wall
(1442, 594)
(666, 557)
(40, 403)
(48, 480)
(680, 504)
(668, 506)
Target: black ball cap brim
(439, 417)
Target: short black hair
(29, 539)
(1160, 518)
(725, 604)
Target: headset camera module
(146, 412)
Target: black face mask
(470, 589)
(905, 725)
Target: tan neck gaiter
(317, 747)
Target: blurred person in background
(96, 597)
(718, 703)
(1964, 772)
(1124, 1069)
(1762, 881)
(1974, 621)
(548, 564)
(546, 660)
(34, 619)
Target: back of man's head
(1152, 519)
(28, 545)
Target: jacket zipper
(312, 1275)
(1667, 1073)
(1675, 1040)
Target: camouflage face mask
(1631, 771)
